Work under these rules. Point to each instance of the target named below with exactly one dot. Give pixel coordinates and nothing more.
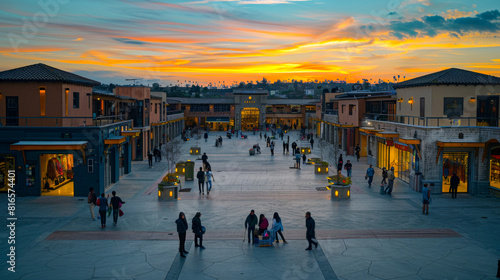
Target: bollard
(498, 269)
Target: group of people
(196, 227)
(218, 141)
(156, 153)
(105, 206)
(251, 223)
(205, 175)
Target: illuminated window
(42, 101)
(66, 96)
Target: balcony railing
(60, 121)
(435, 121)
(175, 112)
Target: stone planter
(305, 150)
(167, 192)
(251, 152)
(320, 169)
(195, 151)
(340, 192)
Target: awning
(460, 144)
(370, 131)
(218, 119)
(409, 141)
(132, 133)
(49, 146)
(387, 134)
(111, 140)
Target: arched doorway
(249, 118)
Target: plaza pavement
(370, 236)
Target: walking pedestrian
(272, 148)
(197, 230)
(250, 223)
(304, 159)
(369, 174)
(454, 182)
(310, 234)
(384, 176)
(340, 163)
(263, 224)
(268, 141)
(426, 196)
(277, 227)
(204, 158)
(209, 176)
(265, 136)
(312, 143)
(150, 159)
(358, 150)
(201, 180)
(206, 136)
(284, 147)
(297, 160)
(348, 167)
(92, 201)
(391, 177)
(155, 153)
(116, 203)
(287, 147)
(261, 135)
(220, 140)
(294, 146)
(182, 227)
(103, 204)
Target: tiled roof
(43, 73)
(102, 92)
(452, 76)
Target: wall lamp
(471, 100)
(400, 100)
(410, 101)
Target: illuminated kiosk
(340, 187)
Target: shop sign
(401, 147)
(389, 142)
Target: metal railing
(60, 121)
(435, 121)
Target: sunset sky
(240, 40)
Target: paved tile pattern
(370, 236)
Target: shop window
(57, 174)
(495, 168)
(76, 100)
(7, 162)
(343, 106)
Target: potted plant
(321, 167)
(167, 188)
(340, 187)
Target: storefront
(495, 168)
(456, 162)
(219, 123)
(7, 162)
(398, 154)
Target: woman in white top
(209, 176)
(278, 227)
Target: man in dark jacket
(454, 182)
(116, 202)
(294, 146)
(348, 167)
(250, 223)
(312, 143)
(358, 150)
(201, 180)
(197, 230)
(150, 159)
(182, 227)
(310, 235)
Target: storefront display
(397, 155)
(456, 162)
(7, 162)
(57, 174)
(495, 170)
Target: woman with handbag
(103, 204)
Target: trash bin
(189, 175)
(417, 182)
